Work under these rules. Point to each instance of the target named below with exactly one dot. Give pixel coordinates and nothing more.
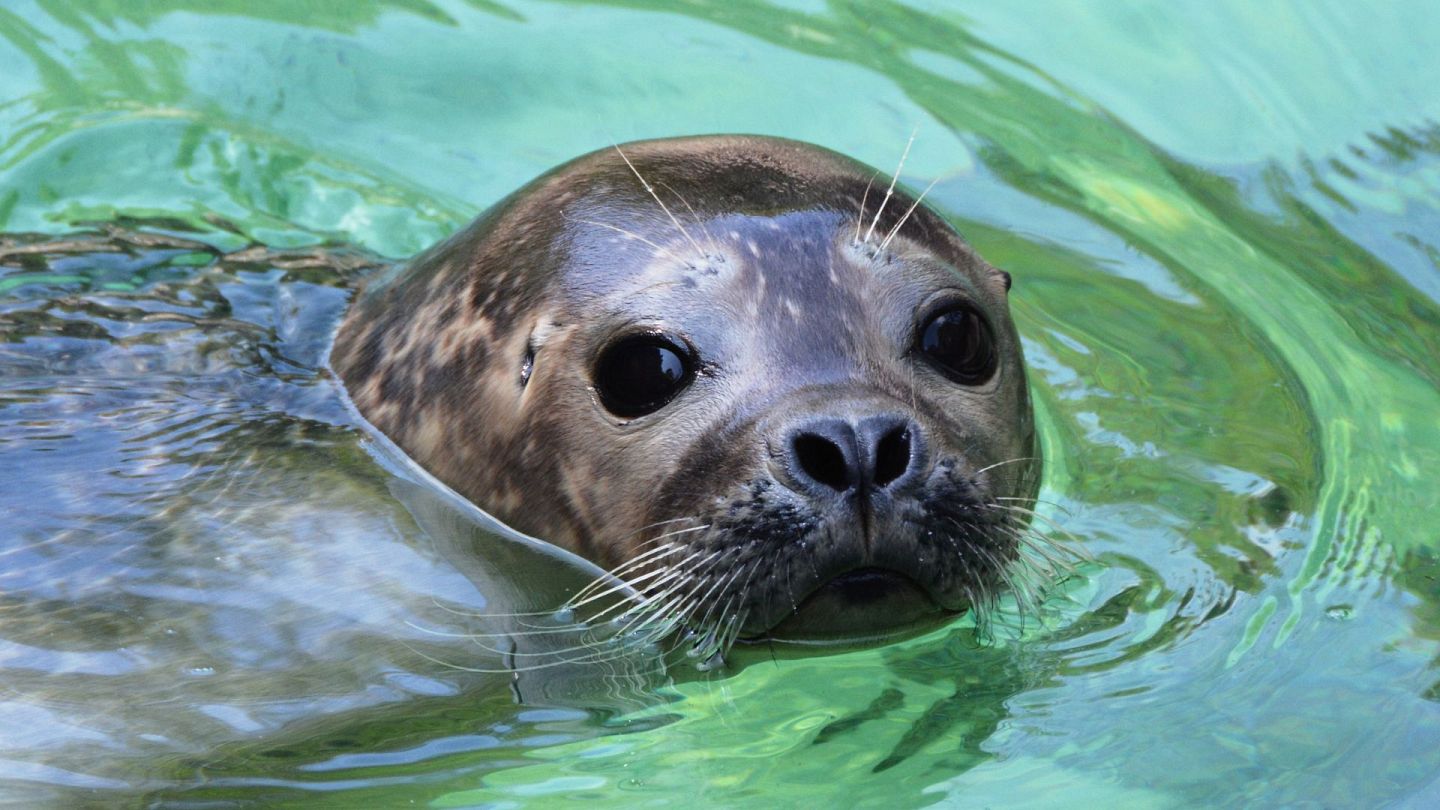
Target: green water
(1224, 224)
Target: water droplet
(1340, 613)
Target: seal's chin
(860, 606)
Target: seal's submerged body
(776, 400)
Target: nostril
(823, 461)
(892, 456)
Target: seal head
(776, 399)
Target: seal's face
(772, 418)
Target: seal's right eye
(640, 374)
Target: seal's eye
(639, 374)
(958, 341)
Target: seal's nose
(839, 455)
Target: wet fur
(777, 260)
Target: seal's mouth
(863, 604)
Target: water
(1223, 225)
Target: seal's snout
(839, 456)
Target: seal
(775, 400)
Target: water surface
(1224, 225)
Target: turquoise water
(1224, 224)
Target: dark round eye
(959, 343)
(638, 375)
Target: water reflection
(1235, 364)
(200, 550)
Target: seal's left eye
(958, 342)
(640, 374)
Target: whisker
(655, 524)
(656, 606)
(714, 246)
(634, 236)
(710, 644)
(619, 572)
(648, 557)
(1052, 504)
(720, 584)
(644, 558)
(471, 635)
(584, 644)
(1061, 556)
(736, 622)
(693, 602)
(1003, 463)
(625, 585)
(476, 614)
(739, 619)
(651, 190)
(895, 230)
(860, 220)
(1031, 513)
(596, 659)
(891, 189)
(643, 601)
